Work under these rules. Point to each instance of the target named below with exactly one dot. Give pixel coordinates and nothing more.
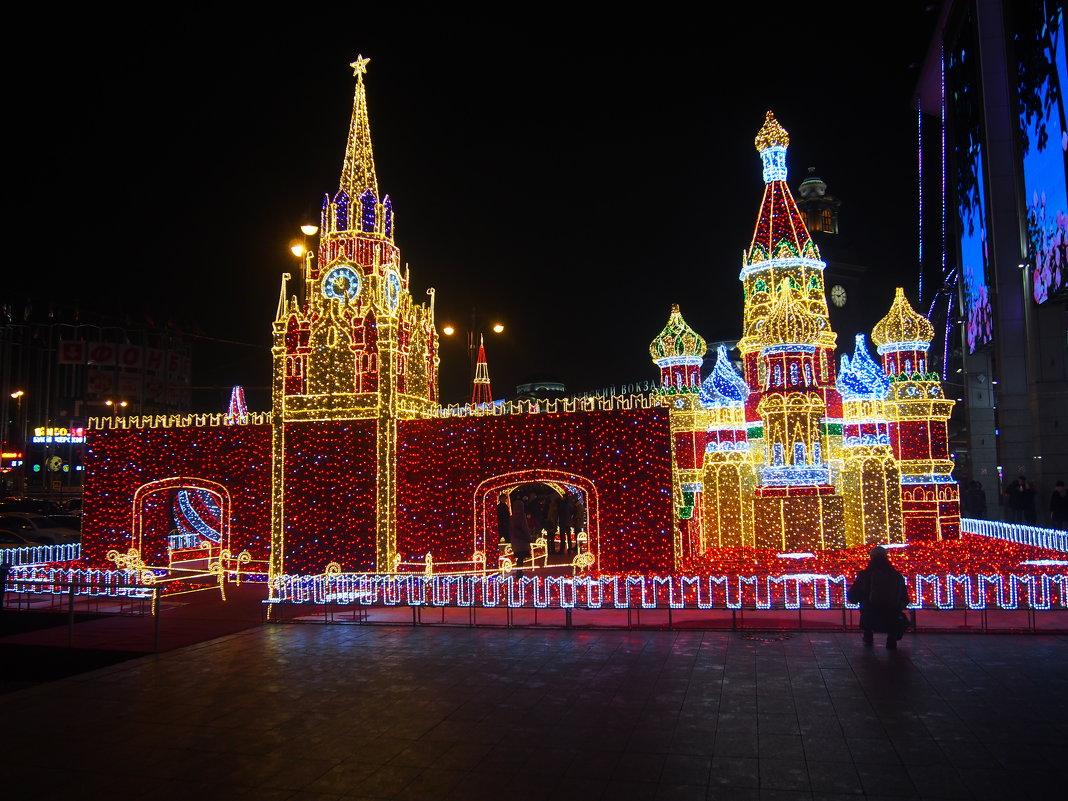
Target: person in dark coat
(567, 514)
(974, 501)
(504, 519)
(1021, 501)
(519, 531)
(1058, 506)
(881, 592)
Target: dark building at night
(995, 225)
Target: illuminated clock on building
(341, 283)
(838, 295)
(392, 290)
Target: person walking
(974, 501)
(519, 531)
(578, 521)
(1021, 501)
(567, 513)
(504, 519)
(1058, 506)
(881, 592)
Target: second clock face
(341, 283)
(392, 289)
(838, 295)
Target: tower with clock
(354, 352)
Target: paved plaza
(304, 711)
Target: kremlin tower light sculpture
(357, 347)
(793, 454)
(480, 387)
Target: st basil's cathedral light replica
(358, 470)
(794, 454)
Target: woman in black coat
(881, 592)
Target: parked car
(9, 539)
(68, 521)
(36, 505)
(40, 529)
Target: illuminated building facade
(358, 468)
(795, 454)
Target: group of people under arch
(530, 511)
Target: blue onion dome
(723, 387)
(862, 378)
(677, 340)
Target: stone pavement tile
(432, 784)
(826, 748)
(731, 793)
(778, 723)
(584, 765)
(734, 772)
(780, 746)
(784, 795)
(625, 790)
(680, 792)
(343, 778)
(461, 756)
(938, 781)
(784, 774)
(640, 768)
(685, 769)
(820, 723)
(735, 743)
(874, 750)
(834, 777)
(886, 780)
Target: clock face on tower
(838, 295)
(392, 290)
(341, 283)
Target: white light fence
(797, 591)
(1051, 538)
(58, 581)
(40, 554)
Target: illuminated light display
(480, 387)
(238, 410)
(359, 481)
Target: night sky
(567, 175)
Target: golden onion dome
(677, 339)
(790, 321)
(771, 134)
(902, 324)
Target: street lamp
(473, 333)
(115, 406)
(20, 426)
(301, 251)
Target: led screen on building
(1041, 79)
(963, 96)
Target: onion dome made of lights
(771, 134)
(790, 321)
(677, 340)
(860, 378)
(723, 387)
(902, 324)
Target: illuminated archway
(178, 484)
(487, 492)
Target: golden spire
(902, 324)
(771, 134)
(358, 171)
